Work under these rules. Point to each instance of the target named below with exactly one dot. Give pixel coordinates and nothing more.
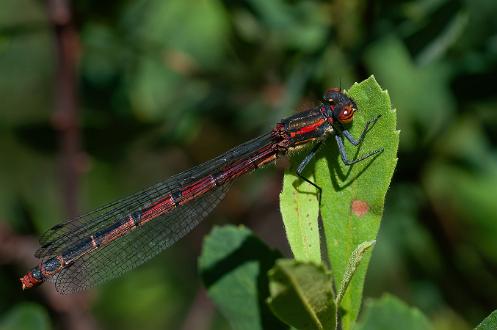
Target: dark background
(106, 97)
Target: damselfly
(117, 237)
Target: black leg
(368, 126)
(305, 162)
(343, 154)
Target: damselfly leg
(339, 132)
(345, 133)
(308, 158)
(369, 125)
(343, 153)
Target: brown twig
(65, 118)
(201, 312)
(73, 309)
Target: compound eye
(346, 115)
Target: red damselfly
(117, 237)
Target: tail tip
(28, 281)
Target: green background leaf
(390, 313)
(26, 316)
(302, 295)
(234, 265)
(352, 206)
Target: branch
(66, 118)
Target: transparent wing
(138, 246)
(65, 235)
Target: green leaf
(234, 265)
(299, 209)
(489, 323)
(353, 197)
(301, 295)
(26, 316)
(355, 260)
(390, 313)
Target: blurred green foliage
(25, 316)
(234, 264)
(164, 85)
(388, 313)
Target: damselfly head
(341, 106)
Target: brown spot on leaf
(359, 208)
